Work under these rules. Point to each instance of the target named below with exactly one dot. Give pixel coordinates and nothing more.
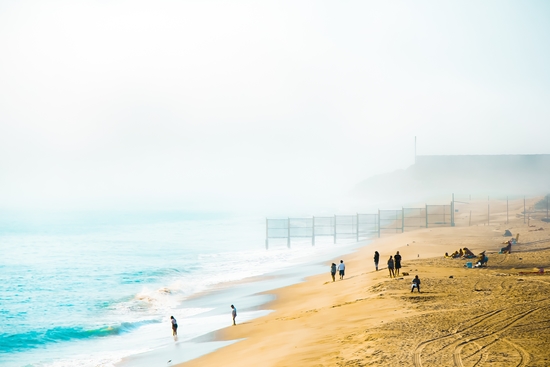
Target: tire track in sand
(488, 339)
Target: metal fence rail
(464, 209)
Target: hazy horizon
(257, 106)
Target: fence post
(357, 228)
(453, 211)
(266, 234)
(288, 234)
(313, 232)
(488, 211)
(402, 220)
(378, 223)
(335, 228)
(426, 215)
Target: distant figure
(507, 249)
(341, 269)
(233, 313)
(174, 326)
(397, 258)
(376, 259)
(415, 284)
(333, 271)
(391, 266)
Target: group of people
(394, 263)
(394, 266)
(341, 270)
(175, 323)
(461, 253)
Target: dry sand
(463, 317)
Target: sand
(497, 316)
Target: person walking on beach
(376, 259)
(391, 266)
(333, 271)
(415, 284)
(233, 313)
(174, 326)
(397, 258)
(341, 269)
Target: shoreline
(252, 297)
(321, 323)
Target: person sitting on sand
(455, 254)
(415, 284)
(481, 260)
(391, 267)
(507, 249)
(468, 254)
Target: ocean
(96, 289)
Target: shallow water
(90, 290)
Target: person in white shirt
(341, 269)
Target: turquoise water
(88, 290)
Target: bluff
(432, 176)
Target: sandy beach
(498, 315)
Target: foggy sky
(241, 105)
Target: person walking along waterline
(333, 271)
(341, 268)
(174, 326)
(233, 313)
(376, 259)
(391, 266)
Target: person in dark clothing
(415, 284)
(376, 259)
(391, 267)
(234, 314)
(174, 326)
(397, 259)
(333, 271)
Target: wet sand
(497, 316)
